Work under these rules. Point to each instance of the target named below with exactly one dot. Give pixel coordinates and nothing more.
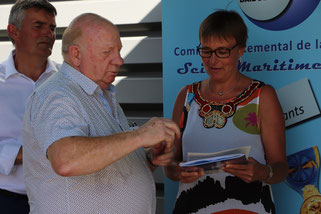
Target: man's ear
(74, 55)
(13, 32)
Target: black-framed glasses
(221, 52)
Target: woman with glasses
(225, 111)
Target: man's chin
(46, 53)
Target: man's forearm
(72, 156)
(19, 157)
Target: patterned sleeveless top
(210, 126)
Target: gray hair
(17, 12)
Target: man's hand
(158, 131)
(162, 155)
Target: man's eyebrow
(39, 22)
(43, 23)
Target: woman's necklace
(221, 93)
(216, 113)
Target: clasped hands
(158, 135)
(161, 154)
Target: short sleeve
(57, 117)
(9, 149)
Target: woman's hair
(224, 24)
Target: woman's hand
(189, 174)
(184, 174)
(252, 171)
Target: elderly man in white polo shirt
(80, 154)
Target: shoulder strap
(188, 99)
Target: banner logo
(277, 14)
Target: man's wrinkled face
(100, 55)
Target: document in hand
(212, 162)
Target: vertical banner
(283, 50)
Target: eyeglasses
(219, 52)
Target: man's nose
(118, 60)
(49, 32)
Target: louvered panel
(139, 90)
(117, 11)
(135, 50)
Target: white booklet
(212, 162)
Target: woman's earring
(240, 60)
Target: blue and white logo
(278, 14)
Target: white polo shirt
(15, 88)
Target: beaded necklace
(215, 114)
